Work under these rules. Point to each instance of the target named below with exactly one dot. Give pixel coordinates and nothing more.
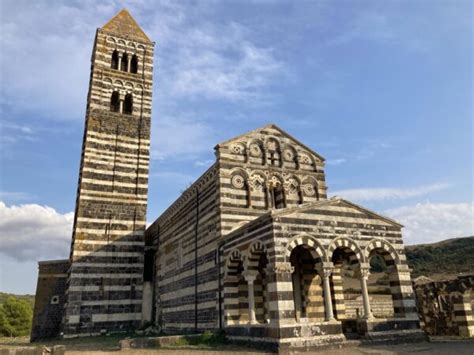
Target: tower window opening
(115, 60)
(134, 64)
(128, 104)
(124, 63)
(115, 102)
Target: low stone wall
(381, 305)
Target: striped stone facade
(255, 247)
(104, 286)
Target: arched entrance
(308, 295)
(380, 292)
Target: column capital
(364, 270)
(250, 275)
(280, 268)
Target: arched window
(124, 63)
(134, 64)
(115, 102)
(128, 104)
(115, 60)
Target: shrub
(15, 317)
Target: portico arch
(306, 256)
(235, 289)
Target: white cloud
(431, 222)
(180, 138)
(34, 232)
(387, 193)
(195, 58)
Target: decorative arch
(309, 188)
(232, 262)
(254, 252)
(256, 152)
(345, 242)
(118, 83)
(240, 181)
(315, 248)
(306, 161)
(273, 151)
(389, 251)
(293, 189)
(257, 186)
(290, 156)
(238, 148)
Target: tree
(15, 317)
(377, 264)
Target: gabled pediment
(345, 207)
(271, 136)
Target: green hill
(443, 259)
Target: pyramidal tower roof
(124, 24)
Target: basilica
(254, 247)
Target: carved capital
(250, 275)
(364, 272)
(281, 268)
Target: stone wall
(185, 241)
(381, 306)
(50, 297)
(445, 307)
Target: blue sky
(383, 90)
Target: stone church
(253, 247)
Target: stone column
(327, 271)
(250, 278)
(364, 276)
(129, 62)
(119, 61)
(121, 105)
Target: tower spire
(125, 25)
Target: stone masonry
(445, 307)
(50, 298)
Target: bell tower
(105, 280)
